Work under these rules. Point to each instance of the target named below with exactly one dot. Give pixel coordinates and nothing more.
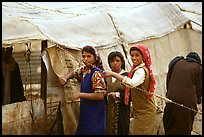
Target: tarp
(80, 24)
(193, 11)
(107, 26)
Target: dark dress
(118, 113)
(12, 87)
(92, 112)
(184, 86)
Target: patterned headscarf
(147, 60)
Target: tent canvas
(109, 27)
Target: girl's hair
(93, 51)
(113, 55)
(135, 48)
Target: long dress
(184, 86)
(117, 113)
(144, 110)
(92, 119)
(12, 88)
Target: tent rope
(27, 57)
(156, 95)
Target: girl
(92, 120)
(140, 82)
(118, 113)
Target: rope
(170, 101)
(156, 95)
(27, 57)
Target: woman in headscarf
(184, 86)
(140, 83)
(92, 120)
(11, 78)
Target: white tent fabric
(193, 11)
(141, 25)
(16, 30)
(71, 28)
(95, 29)
(108, 26)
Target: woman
(184, 86)
(140, 82)
(11, 78)
(118, 113)
(92, 120)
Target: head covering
(193, 56)
(7, 54)
(147, 60)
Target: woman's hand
(113, 74)
(75, 96)
(62, 80)
(112, 95)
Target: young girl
(140, 82)
(117, 112)
(92, 120)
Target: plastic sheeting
(75, 25)
(108, 27)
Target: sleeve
(120, 90)
(121, 94)
(117, 94)
(98, 82)
(78, 73)
(137, 79)
(170, 69)
(199, 83)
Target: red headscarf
(147, 60)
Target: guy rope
(27, 57)
(156, 95)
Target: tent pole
(43, 91)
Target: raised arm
(137, 79)
(114, 74)
(63, 80)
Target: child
(92, 120)
(140, 82)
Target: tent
(167, 28)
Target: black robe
(184, 86)
(16, 85)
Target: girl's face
(136, 57)
(88, 58)
(116, 64)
